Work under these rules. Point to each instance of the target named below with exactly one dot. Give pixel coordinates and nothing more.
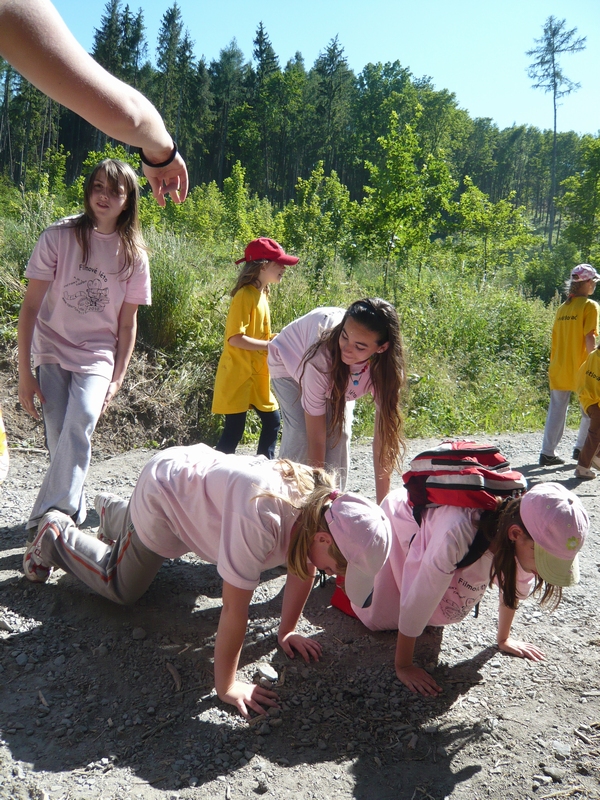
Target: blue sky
(474, 48)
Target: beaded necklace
(355, 376)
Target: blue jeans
(72, 408)
(234, 430)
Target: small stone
(59, 661)
(555, 773)
(561, 749)
(4, 626)
(101, 650)
(262, 787)
(276, 723)
(267, 671)
(138, 633)
(22, 659)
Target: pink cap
(364, 536)
(558, 524)
(264, 249)
(584, 272)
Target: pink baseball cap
(364, 536)
(584, 272)
(558, 524)
(264, 249)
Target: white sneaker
(100, 502)
(34, 567)
(584, 472)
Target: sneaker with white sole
(100, 502)
(34, 567)
(584, 472)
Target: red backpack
(465, 474)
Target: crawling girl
(533, 544)
(245, 514)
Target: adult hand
(172, 179)
(113, 388)
(307, 648)
(28, 389)
(418, 680)
(248, 695)
(521, 649)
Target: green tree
(406, 196)
(581, 202)
(546, 73)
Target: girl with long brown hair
(87, 276)
(320, 364)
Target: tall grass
(477, 351)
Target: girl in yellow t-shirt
(589, 397)
(242, 380)
(3, 450)
(573, 337)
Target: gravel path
(99, 701)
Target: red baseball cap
(264, 249)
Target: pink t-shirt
(286, 354)
(420, 585)
(78, 320)
(196, 499)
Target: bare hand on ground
(418, 680)
(248, 695)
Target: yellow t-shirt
(242, 377)
(588, 387)
(573, 321)
(3, 450)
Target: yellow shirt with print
(573, 321)
(588, 381)
(242, 377)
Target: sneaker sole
(36, 573)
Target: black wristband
(162, 164)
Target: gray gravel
(99, 701)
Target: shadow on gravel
(83, 690)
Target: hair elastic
(162, 164)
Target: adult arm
(294, 597)
(247, 342)
(126, 334)
(382, 476)
(510, 645)
(228, 646)
(38, 44)
(29, 387)
(413, 677)
(316, 434)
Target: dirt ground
(100, 701)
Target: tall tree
(546, 73)
(335, 88)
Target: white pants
(72, 408)
(294, 439)
(556, 421)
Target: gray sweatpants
(121, 573)
(72, 408)
(294, 439)
(556, 420)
